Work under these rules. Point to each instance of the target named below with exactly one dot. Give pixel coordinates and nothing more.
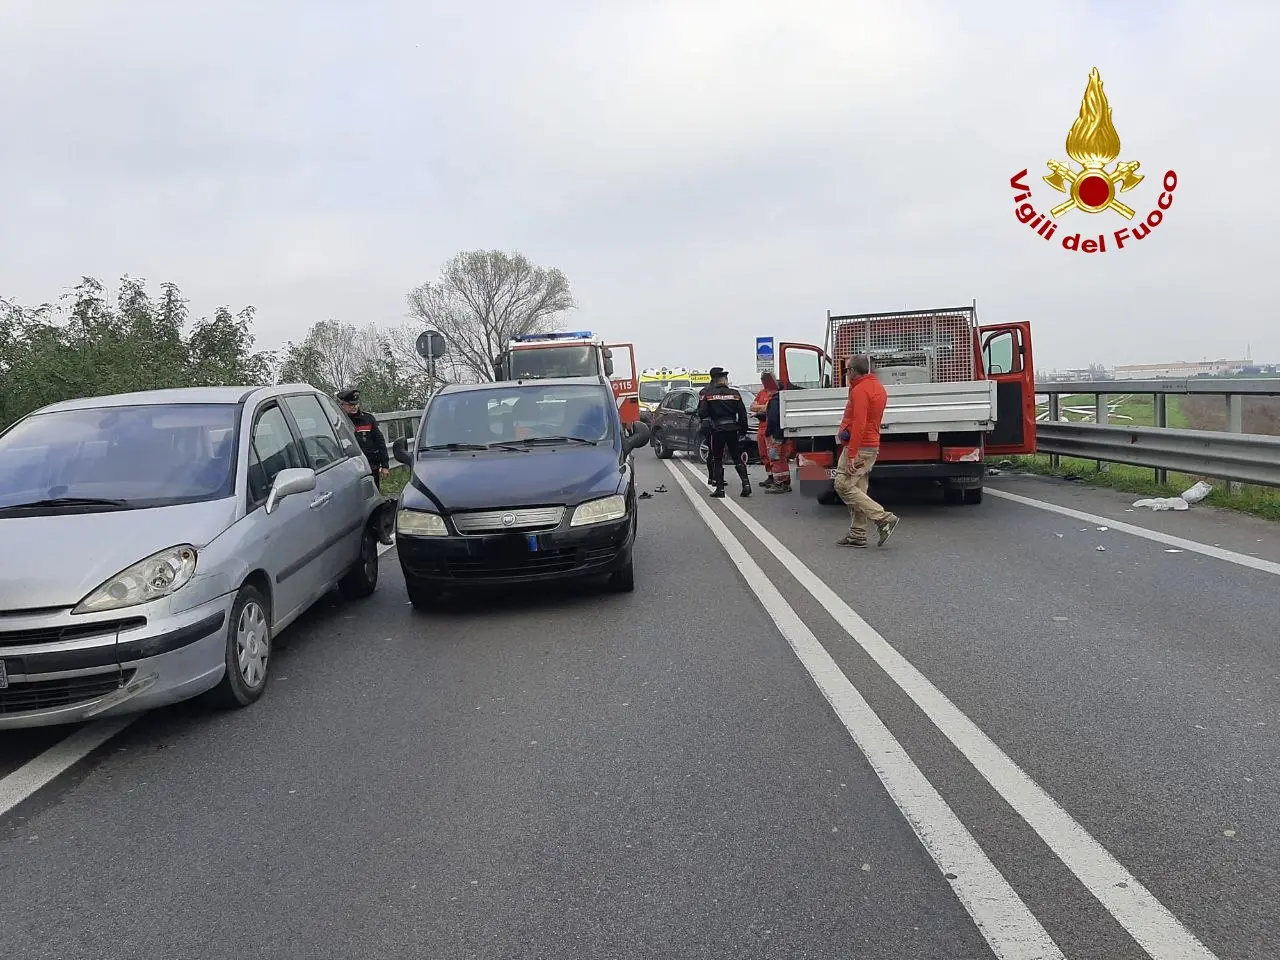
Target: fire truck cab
(957, 392)
(579, 353)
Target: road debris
(1183, 501)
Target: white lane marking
(59, 758)
(1243, 559)
(63, 755)
(1002, 918)
(1154, 928)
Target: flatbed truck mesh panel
(938, 341)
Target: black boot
(718, 492)
(746, 488)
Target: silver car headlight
(420, 523)
(157, 576)
(599, 511)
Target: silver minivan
(152, 545)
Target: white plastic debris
(1183, 501)
(1197, 492)
(1163, 503)
(1101, 548)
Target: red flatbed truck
(957, 392)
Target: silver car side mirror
(288, 482)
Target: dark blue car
(517, 483)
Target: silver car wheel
(252, 645)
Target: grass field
(1136, 410)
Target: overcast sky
(704, 172)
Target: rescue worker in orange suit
(759, 409)
(860, 435)
(722, 405)
(781, 450)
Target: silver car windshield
(134, 456)
(517, 414)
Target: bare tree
(332, 355)
(483, 299)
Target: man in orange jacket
(860, 435)
(760, 409)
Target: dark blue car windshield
(150, 455)
(519, 413)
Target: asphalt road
(989, 738)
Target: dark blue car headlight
(599, 511)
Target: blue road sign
(764, 354)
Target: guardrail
(1230, 455)
(399, 424)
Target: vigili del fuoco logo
(1093, 144)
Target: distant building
(1180, 369)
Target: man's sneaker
(849, 540)
(779, 488)
(886, 529)
(718, 493)
(746, 488)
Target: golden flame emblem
(1093, 143)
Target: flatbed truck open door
(1006, 359)
(804, 366)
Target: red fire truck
(575, 354)
(957, 394)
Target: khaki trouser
(852, 478)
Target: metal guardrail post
(1100, 416)
(1235, 424)
(1055, 413)
(1161, 419)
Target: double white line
(1006, 923)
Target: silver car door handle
(321, 500)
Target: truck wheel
(953, 495)
(973, 496)
(830, 499)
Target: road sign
(431, 345)
(764, 354)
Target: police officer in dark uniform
(704, 430)
(372, 444)
(722, 405)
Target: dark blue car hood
(465, 481)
